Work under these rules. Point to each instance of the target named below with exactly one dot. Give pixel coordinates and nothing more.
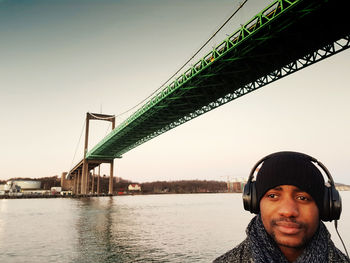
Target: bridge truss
(285, 37)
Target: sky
(62, 58)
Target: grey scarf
(316, 251)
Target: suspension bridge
(286, 36)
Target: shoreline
(100, 195)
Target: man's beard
(303, 241)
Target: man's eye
(272, 196)
(303, 198)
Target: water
(152, 228)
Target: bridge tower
(86, 169)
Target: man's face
(289, 215)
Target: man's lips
(288, 228)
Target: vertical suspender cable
(76, 148)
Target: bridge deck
(261, 51)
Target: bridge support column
(110, 191)
(88, 175)
(93, 181)
(74, 185)
(79, 182)
(84, 177)
(98, 180)
(82, 180)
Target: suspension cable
(216, 32)
(76, 148)
(109, 126)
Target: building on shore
(134, 188)
(27, 184)
(21, 187)
(9, 188)
(236, 185)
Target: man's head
(291, 168)
(290, 191)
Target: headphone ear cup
(247, 197)
(255, 204)
(325, 213)
(336, 205)
(250, 202)
(332, 205)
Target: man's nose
(288, 207)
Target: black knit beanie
(291, 168)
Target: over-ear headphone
(331, 202)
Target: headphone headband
(308, 157)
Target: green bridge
(288, 35)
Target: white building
(134, 187)
(27, 184)
(9, 187)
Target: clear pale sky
(62, 58)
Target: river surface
(146, 228)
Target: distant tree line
(184, 186)
(188, 186)
(121, 185)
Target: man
(289, 199)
